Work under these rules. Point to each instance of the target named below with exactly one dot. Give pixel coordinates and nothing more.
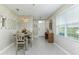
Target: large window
(67, 23)
(73, 31)
(60, 23)
(61, 30)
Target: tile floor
(39, 47)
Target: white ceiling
(39, 10)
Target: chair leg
(30, 42)
(26, 45)
(24, 49)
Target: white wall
(46, 24)
(6, 38)
(35, 28)
(29, 25)
(68, 44)
(12, 24)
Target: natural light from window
(67, 23)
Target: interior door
(41, 27)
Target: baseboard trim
(6, 48)
(65, 51)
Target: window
(73, 31)
(67, 23)
(60, 25)
(61, 30)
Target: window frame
(65, 25)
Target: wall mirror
(50, 24)
(2, 21)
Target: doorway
(41, 28)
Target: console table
(49, 37)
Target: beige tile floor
(39, 47)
